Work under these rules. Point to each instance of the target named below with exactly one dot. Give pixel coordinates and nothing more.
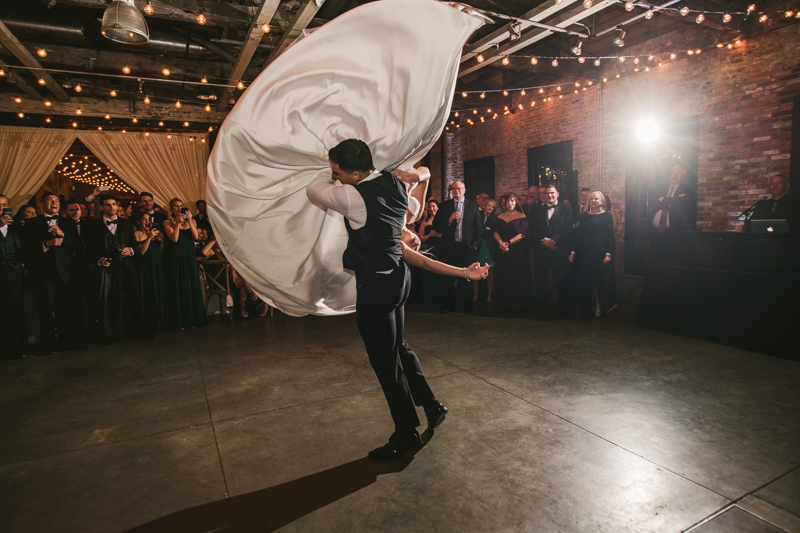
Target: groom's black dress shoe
(435, 414)
(397, 446)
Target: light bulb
(178, 104)
(648, 14)
(185, 124)
(99, 128)
(47, 120)
(2, 72)
(505, 93)
(673, 56)
(126, 70)
(480, 58)
(113, 93)
(636, 61)
(464, 94)
(208, 107)
(581, 60)
(789, 14)
(629, 6)
(474, 111)
(697, 51)
(622, 59)
(211, 128)
(700, 18)
(165, 72)
(534, 61)
(108, 117)
(169, 136)
(456, 116)
(148, 8)
(265, 27)
(74, 124)
(41, 52)
(690, 52)
(147, 99)
(523, 92)
(726, 18)
(48, 103)
(558, 88)
(41, 81)
(135, 120)
(201, 19)
(541, 91)
(161, 124)
(750, 8)
(555, 63)
(597, 62)
(483, 95)
(78, 112)
(650, 57)
(684, 11)
(21, 115)
(505, 60)
(559, 2)
(762, 18)
(240, 85)
(147, 134)
(78, 88)
(587, 3)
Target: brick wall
(742, 96)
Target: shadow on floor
(274, 507)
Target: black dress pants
(10, 312)
(380, 315)
(547, 260)
(456, 292)
(58, 319)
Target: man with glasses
(459, 222)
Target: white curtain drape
(27, 156)
(166, 167)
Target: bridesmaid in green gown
(184, 297)
(151, 274)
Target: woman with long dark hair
(512, 280)
(152, 287)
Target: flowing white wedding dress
(383, 73)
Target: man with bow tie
(110, 246)
(50, 244)
(82, 269)
(549, 225)
(149, 207)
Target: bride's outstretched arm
(473, 272)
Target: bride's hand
(407, 176)
(475, 271)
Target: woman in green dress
(184, 297)
(486, 252)
(152, 288)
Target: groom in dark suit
(110, 245)
(50, 243)
(460, 223)
(549, 226)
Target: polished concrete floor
(554, 426)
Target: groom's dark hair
(352, 155)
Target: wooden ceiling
(232, 46)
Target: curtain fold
(27, 156)
(166, 167)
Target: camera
(7, 212)
(184, 210)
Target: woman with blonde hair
(593, 253)
(184, 296)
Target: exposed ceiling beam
(537, 14)
(217, 13)
(563, 20)
(121, 112)
(303, 17)
(208, 45)
(251, 41)
(20, 82)
(12, 44)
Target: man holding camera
(110, 246)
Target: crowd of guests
(77, 272)
(526, 240)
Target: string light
(126, 70)
(629, 6)
(762, 18)
(208, 107)
(161, 124)
(265, 27)
(113, 93)
(240, 86)
(135, 120)
(2, 72)
(684, 11)
(147, 99)
(108, 117)
(201, 19)
(78, 111)
(203, 80)
(178, 104)
(480, 58)
(505, 60)
(483, 95)
(587, 3)
(41, 52)
(21, 115)
(185, 124)
(165, 72)
(148, 8)
(505, 93)
(47, 120)
(700, 18)
(534, 61)
(78, 88)
(555, 63)
(648, 14)
(18, 100)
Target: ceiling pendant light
(123, 23)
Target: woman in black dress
(430, 285)
(594, 248)
(512, 281)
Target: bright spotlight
(648, 131)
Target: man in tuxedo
(11, 276)
(781, 205)
(110, 246)
(82, 268)
(460, 223)
(549, 226)
(158, 218)
(532, 201)
(50, 242)
(674, 205)
(374, 205)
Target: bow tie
(49, 217)
(551, 207)
(109, 222)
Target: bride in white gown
(384, 73)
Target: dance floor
(265, 424)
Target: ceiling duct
(125, 24)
